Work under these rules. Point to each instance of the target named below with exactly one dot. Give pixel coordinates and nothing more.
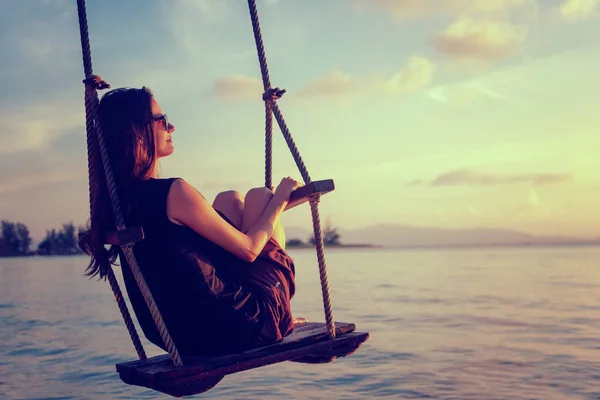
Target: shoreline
(373, 246)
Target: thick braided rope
(270, 96)
(91, 113)
(91, 98)
(264, 70)
(268, 144)
(291, 144)
(114, 285)
(314, 207)
(91, 101)
(131, 260)
(92, 149)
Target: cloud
(533, 199)
(468, 38)
(417, 9)
(464, 177)
(574, 10)
(336, 83)
(194, 25)
(208, 10)
(238, 87)
(40, 179)
(35, 127)
(461, 94)
(415, 182)
(530, 207)
(417, 74)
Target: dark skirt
(271, 278)
(211, 301)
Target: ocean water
(502, 323)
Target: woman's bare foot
(299, 320)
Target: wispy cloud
(468, 38)
(530, 206)
(38, 125)
(41, 179)
(460, 94)
(416, 74)
(194, 24)
(574, 10)
(465, 177)
(208, 10)
(271, 3)
(416, 9)
(238, 87)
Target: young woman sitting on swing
(219, 273)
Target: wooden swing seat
(309, 343)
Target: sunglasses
(162, 117)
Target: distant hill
(397, 235)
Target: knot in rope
(96, 82)
(273, 94)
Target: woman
(219, 273)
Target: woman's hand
(285, 188)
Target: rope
(92, 84)
(314, 207)
(264, 70)
(270, 96)
(114, 285)
(269, 144)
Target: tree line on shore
(330, 234)
(15, 240)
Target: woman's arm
(185, 205)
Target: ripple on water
(34, 350)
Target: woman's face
(162, 132)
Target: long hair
(126, 123)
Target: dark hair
(125, 118)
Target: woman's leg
(256, 201)
(245, 212)
(230, 203)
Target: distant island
(412, 237)
(331, 238)
(299, 244)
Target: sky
(453, 113)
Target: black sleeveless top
(208, 302)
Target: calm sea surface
(444, 324)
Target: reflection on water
(444, 324)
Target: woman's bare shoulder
(182, 189)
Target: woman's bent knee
(259, 194)
(230, 203)
(229, 196)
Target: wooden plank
(311, 189)
(308, 343)
(126, 236)
(194, 383)
(308, 332)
